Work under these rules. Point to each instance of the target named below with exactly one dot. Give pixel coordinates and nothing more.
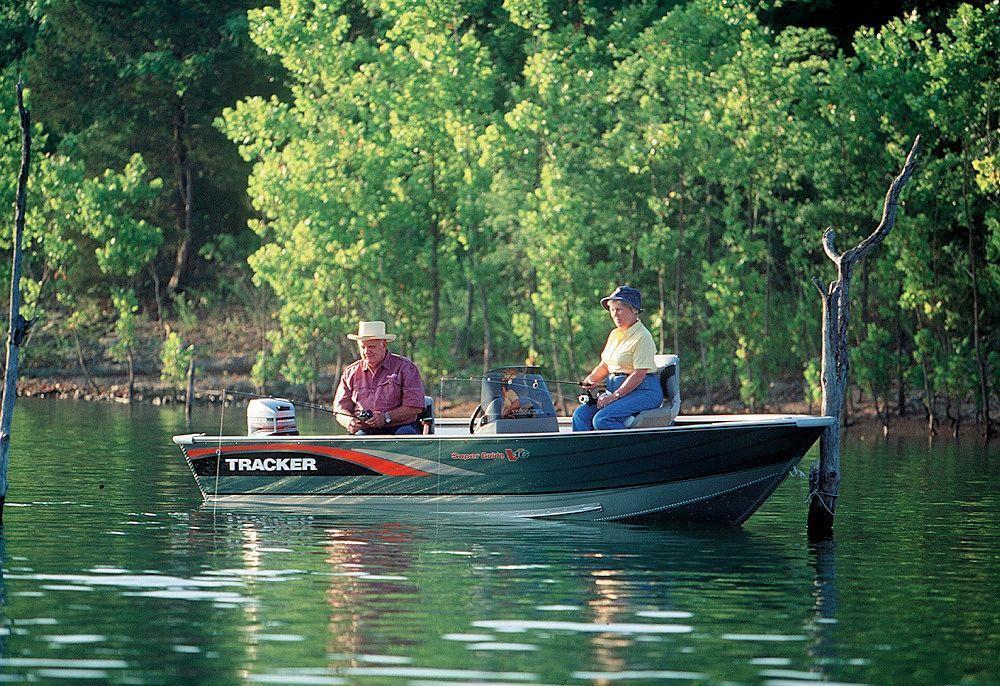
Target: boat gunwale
(687, 423)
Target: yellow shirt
(629, 350)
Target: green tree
(362, 179)
(155, 74)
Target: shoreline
(864, 422)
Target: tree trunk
(900, 369)
(189, 394)
(340, 366)
(929, 403)
(533, 336)
(156, 293)
(881, 408)
(461, 348)
(130, 362)
(185, 192)
(83, 365)
(571, 342)
(487, 335)
(556, 367)
(864, 293)
(663, 307)
(824, 477)
(709, 401)
(984, 386)
(768, 275)
(435, 276)
(678, 249)
(311, 387)
(17, 326)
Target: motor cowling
(271, 417)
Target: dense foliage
(480, 175)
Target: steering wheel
(477, 416)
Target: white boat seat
(668, 370)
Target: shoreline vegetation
(245, 180)
(863, 418)
(232, 370)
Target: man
(385, 384)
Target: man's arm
(398, 416)
(412, 401)
(343, 404)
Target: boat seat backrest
(426, 418)
(668, 370)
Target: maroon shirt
(396, 383)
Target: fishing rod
(510, 382)
(587, 397)
(363, 415)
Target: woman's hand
(605, 400)
(599, 373)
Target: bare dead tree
(824, 478)
(18, 326)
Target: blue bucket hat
(628, 295)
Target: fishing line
(218, 457)
(534, 384)
(297, 403)
(512, 382)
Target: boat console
(515, 400)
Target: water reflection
(500, 591)
(822, 646)
(136, 582)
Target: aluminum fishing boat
(515, 458)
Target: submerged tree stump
(18, 326)
(824, 478)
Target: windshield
(516, 393)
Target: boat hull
(713, 472)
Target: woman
(627, 364)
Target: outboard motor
(271, 417)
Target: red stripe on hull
(378, 464)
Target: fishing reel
(363, 415)
(590, 396)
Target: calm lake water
(113, 572)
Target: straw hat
(368, 330)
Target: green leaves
(415, 174)
(126, 309)
(174, 359)
(108, 208)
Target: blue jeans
(401, 430)
(646, 397)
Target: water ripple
(519, 625)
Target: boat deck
(448, 426)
